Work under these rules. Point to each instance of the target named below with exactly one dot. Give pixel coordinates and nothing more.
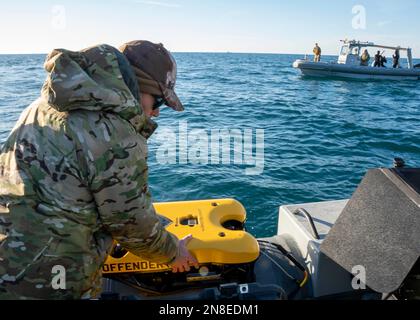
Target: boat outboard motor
(379, 231)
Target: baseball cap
(156, 69)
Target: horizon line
(239, 52)
(209, 52)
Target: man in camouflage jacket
(74, 175)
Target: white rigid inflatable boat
(349, 65)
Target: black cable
(295, 262)
(287, 254)
(310, 220)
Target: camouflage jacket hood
(96, 79)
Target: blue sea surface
(321, 135)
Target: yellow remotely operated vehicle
(363, 248)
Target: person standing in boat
(317, 52)
(378, 59)
(74, 173)
(365, 58)
(396, 58)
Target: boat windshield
(344, 50)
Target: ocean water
(320, 135)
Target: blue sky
(267, 26)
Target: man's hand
(184, 259)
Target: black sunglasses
(159, 101)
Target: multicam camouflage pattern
(73, 177)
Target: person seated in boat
(317, 52)
(383, 61)
(396, 58)
(364, 60)
(378, 59)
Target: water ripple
(321, 135)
